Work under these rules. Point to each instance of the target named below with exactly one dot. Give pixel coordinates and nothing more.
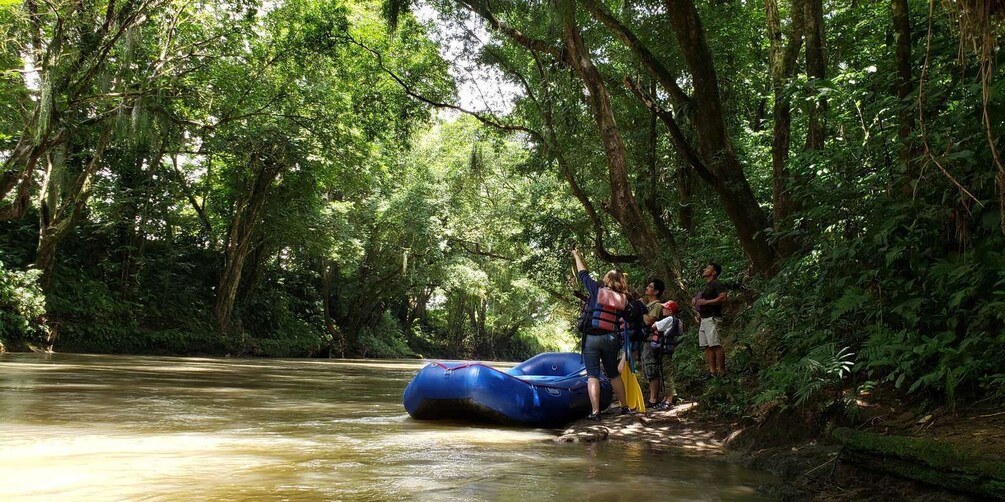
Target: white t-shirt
(664, 324)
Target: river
(99, 427)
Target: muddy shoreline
(814, 467)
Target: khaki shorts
(654, 363)
(708, 332)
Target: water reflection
(80, 427)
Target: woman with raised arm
(602, 329)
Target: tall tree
(816, 66)
(783, 56)
(900, 14)
(714, 141)
(263, 165)
(623, 206)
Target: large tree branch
(645, 56)
(70, 210)
(200, 210)
(552, 147)
(490, 121)
(649, 196)
(623, 205)
(475, 248)
(680, 142)
(482, 9)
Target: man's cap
(671, 306)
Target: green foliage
(102, 323)
(824, 367)
(22, 309)
(385, 339)
(919, 317)
(280, 324)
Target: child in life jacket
(664, 340)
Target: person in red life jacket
(664, 342)
(601, 328)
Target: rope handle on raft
(545, 385)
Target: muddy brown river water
(98, 427)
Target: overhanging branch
(439, 104)
(679, 141)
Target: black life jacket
(637, 329)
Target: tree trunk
(783, 66)
(481, 308)
(905, 87)
(623, 205)
(247, 216)
(23, 180)
(415, 310)
(1001, 197)
(684, 177)
(63, 207)
(652, 206)
(555, 150)
(251, 274)
(815, 71)
(338, 339)
(715, 146)
(137, 184)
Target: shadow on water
(79, 427)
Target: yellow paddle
(633, 392)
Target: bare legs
(593, 388)
(715, 357)
(619, 390)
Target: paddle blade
(633, 392)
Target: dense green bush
(894, 304)
(92, 318)
(22, 309)
(384, 339)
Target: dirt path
(675, 429)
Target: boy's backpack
(637, 328)
(666, 340)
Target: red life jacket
(604, 318)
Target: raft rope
(533, 384)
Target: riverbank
(822, 465)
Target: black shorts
(601, 349)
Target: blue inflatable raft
(547, 390)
